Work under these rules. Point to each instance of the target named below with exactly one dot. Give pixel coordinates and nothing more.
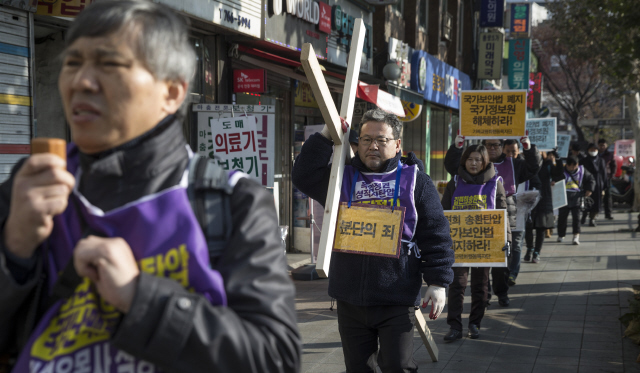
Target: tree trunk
(581, 140)
(633, 101)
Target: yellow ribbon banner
(493, 114)
(369, 230)
(478, 237)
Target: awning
(384, 100)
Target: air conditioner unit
(447, 22)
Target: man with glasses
(513, 171)
(377, 295)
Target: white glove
(325, 132)
(526, 143)
(459, 141)
(437, 295)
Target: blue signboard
(444, 83)
(419, 71)
(491, 13)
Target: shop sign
(411, 111)
(401, 53)
(304, 96)
(324, 24)
(291, 23)
(249, 80)
(535, 94)
(68, 9)
(625, 148)
(490, 55)
(493, 114)
(419, 71)
(443, 83)
(343, 17)
(520, 21)
(491, 13)
(543, 133)
(478, 235)
(519, 53)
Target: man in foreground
(150, 295)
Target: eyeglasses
(493, 146)
(380, 141)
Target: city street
(563, 315)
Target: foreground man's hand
(41, 190)
(437, 296)
(110, 265)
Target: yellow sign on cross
(493, 114)
(369, 230)
(478, 237)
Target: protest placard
(559, 194)
(563, 145)
(369, 230)
(478, 237)
(625, 148)
(493, 114)
(542, 133)
(233, 143)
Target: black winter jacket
(365, 280)
(256, 332)
(524, 169)
(597, 168)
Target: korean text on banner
(478, 237)
(493, 114)
(542, 133)
(625, 148)
(369, 230)
(490, 46)
(559, 194)
(233, 143)
(563, 145)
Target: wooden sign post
(340, 139)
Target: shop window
(423, 15)
(398, 7)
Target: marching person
(578, 181)
(610, 163)
(542, 215)
(377, 296)
(113, 233)
(476, 177)
(513, 172)
(597, 167)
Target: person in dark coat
(597, 167)
(605, 154)
(542, 215)
(578, 182)
(475, 169)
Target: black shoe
(504, 301)
(453, 335)
(474, 333)
(583, 220)
(592, 223)
(527, 256)
(609, 217)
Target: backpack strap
(209, 193)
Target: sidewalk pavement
(563, 315)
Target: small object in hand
(49, 145)
(345, 125)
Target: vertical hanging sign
(519, 60)
(490, 55)
(491, 13)
(520, 21)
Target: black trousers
(608, 201)
(479, 295)
(363, 328)
(563, 214)
(539, 239)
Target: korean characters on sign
(519, 63)
(490, 46)
(369, 230)
(493, 114)
(478, 237)
(232, 141)
(563, 145)
(542, 133)
(625, 149)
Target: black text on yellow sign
(478, 237)
(369, 230)
(493, 114)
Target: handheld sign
(563, 145)
(478, 237)
(559, 194)
(493, 114)
(341, 140)
(542, 133)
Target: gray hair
(162, 37)
(379, 115)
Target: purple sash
(474, 196)
(574, 186)
(505, 170)
(166, 240)
(379, 188)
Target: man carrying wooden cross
(377, 295)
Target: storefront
(16, 84)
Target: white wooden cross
(342, 150)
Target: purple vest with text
(505, 170)
(378, 188)
(166, 240)
(475, 196)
